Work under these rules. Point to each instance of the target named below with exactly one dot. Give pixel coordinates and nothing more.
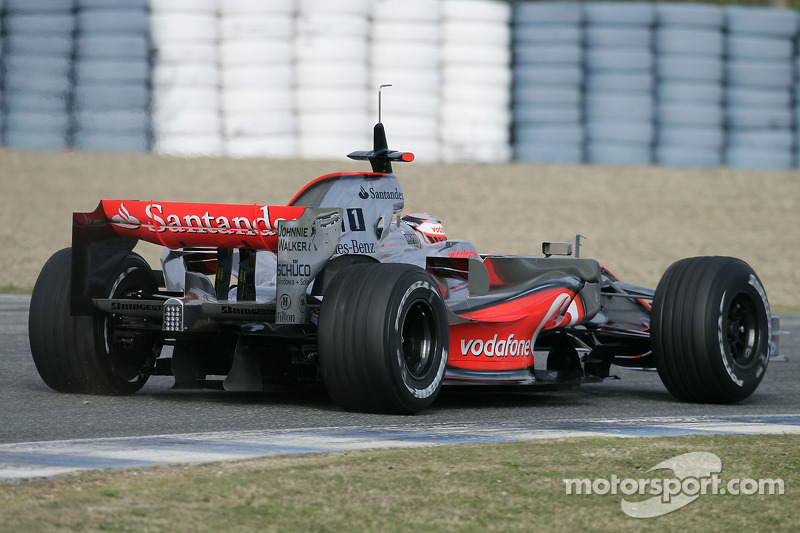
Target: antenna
(380, 156)
(379, 98)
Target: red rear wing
(199, 225)
(102, 238)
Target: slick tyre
(94, 354)
(383, 338)
(710, 330)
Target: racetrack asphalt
(264, 424)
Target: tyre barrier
(689, 15)
(547, 92)
(709, 138)
(689, 72)
(721, 77)
(475, 59)
(86, 73)
(323, 126)
(684, 156)
(413, 103)
(760, 74)
(619, 119)
(689, 91)
(37, 70)
(111, 100)
(257, 104)
(190, 126)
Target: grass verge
(15, 289)
(494, 487)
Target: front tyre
(97, 354)
(711, 330)
(383, 338)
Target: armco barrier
(632, 83)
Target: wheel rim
(128, 350)
(419, 339)
(741, 327)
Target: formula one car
(339, 289)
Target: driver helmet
(428, 229)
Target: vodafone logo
(494, 347)
(463, 254)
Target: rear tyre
(711, 330)
(383, 338)
(98, 354)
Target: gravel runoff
(637, 221)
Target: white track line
(31, 460)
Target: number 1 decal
(355, 217)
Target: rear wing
(303, 239)
(197, 225)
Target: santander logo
(228, 220)
(124, 219)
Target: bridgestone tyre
(89, 354)
(710, 330)
(383, 338)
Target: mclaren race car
(340, 289)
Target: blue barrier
(623, 83)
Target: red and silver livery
(339, 289)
